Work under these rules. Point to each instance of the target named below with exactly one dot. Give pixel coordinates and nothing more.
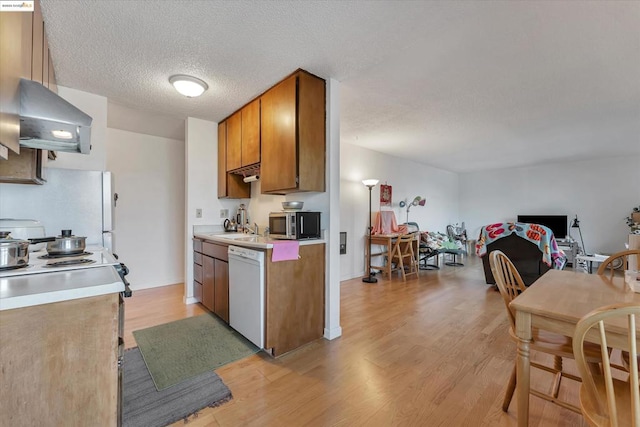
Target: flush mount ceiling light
(188, 86)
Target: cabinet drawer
(197, 258)
(215, 251)
(197, 291)
(197, 273)
(197, 245)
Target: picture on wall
(385, 195)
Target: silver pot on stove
(14, 253)
(64, 244)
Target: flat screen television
(557, 223)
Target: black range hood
(49, 122)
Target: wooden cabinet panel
(295, 300)
(37, 54)
(251, 133)
(197, 272)
(59, 363)
(222, 159)
(215, 250)
(234, 141)
(197, 291)
(312, 133)
(222, 290)
(294, 135)
(197, 257)
(15, 62)
(229, 185)
(208, 282)
(53, 85)
(23, 168)
(278, 123)
(197, 245)
(45, 57)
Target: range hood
(43, 114)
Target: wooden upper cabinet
(251, 133)
(293, 135)
(243, 137)
(229, 185)
(234, 141)
(222, 159)
(37, 47)
(15, 63)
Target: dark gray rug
(144, 406)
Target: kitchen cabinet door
(222, 289)
(229, 185)
(295, 300)
(208, 282)
(234, 141)
(15, 62)
(278, 123)
(293, 135)
(37, 44)
(251, 133)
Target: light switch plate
(198, 213)
(224, 213)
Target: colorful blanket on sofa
(535, 233)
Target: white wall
(149, 179)
(408, 180)
(601, 192)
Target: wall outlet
(224, 213)
(198, 213)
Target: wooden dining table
(556, 302)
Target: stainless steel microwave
(296, 225)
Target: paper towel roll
(251, 178)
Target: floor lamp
(576, 224)
(370, 183)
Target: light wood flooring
(431, 351)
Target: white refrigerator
(77, 200)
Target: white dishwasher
(246, 293)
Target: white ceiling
(460, 85)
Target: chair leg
(511, 388)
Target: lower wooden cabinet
(211, 277)
(295, 300)
(59, 363)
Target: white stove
(40, 262)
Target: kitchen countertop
(247, 240)
(35, 289)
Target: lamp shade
(370, 182)
(188, 86)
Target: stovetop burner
(68, 262)
(50, 256)
(14, 267)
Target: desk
(556, 302)
(386, 240)
(590, 259)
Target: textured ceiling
(463, 86)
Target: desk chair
(604, 399)
(424, 251)
(455, 252)
(511, 285)
(619, 259)
(403, 256)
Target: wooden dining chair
(402, 255)
(510, 284)
(619, 260)
(605, 399)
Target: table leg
(523, 332)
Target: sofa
(532, 249)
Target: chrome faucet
(255, 229)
